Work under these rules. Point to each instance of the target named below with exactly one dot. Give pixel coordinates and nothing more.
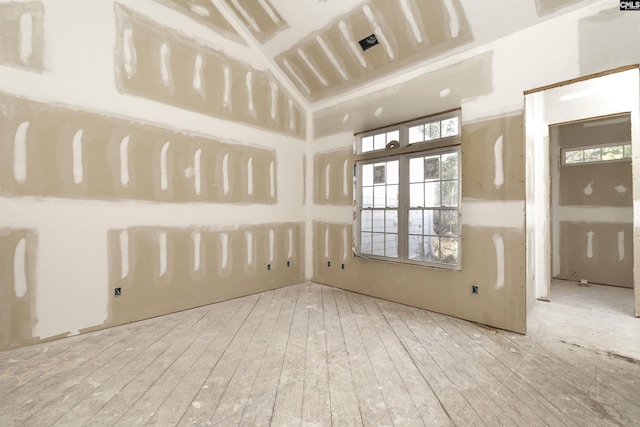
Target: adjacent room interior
(443, 188)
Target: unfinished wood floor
(313, 355)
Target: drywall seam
(225, 9)
(612, 214)
(482, 213)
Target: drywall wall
(494, 183)
(124, 197)
(592, 205)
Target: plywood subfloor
(314, 355)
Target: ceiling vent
(368, 42)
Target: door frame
(603, 94)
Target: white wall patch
(498, 179)
(19, 269)
(621, 253)
(590, 244)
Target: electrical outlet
(117, 292)
(268, 266)
(474, 289)
(328, 263)
(288, 264)
(342, 266)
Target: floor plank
(314, 355)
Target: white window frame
(624, 144)
(404, 152)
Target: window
(596, 153)
(408, 192)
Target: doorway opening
(591, 201)
(577, 227)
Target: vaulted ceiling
(315, 43)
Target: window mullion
(403, 203)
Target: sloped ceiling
(314, 43)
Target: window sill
(431, 266)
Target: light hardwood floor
(314, 355)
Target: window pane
(416, 251)
(379, 173)
(450, 166)
(416, 195)
(391, 245)
(391, 221)
(392, 196)
(379, 196)
(449, 250)
(365, 221)
(448, 224)
(627, 151)
(416, 134)
(432, 131)
(592, 154)
(415, 221)
(379, 141)
(367, 144)
(367, 174)
(365, 243)
(378, 221)
(431, 221)
(432, 194)
(367, 197)
(378, 244)
(431, 168)
(416, 169)
(431, 249)
(449, 127)
(393, 136)
(450, 193)
(615, 152)
(571, 157)
(392, 172)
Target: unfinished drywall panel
(609, 39)
(17, 286)
(493, 159)
(597, 185)
(21, 35)
(206, 13)
(261, 17)
(157, 63)
(153, 271)
(52, 151)
(435, 90)
(499, 275)
(597, 252)
(333, 178)
(412, 31)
